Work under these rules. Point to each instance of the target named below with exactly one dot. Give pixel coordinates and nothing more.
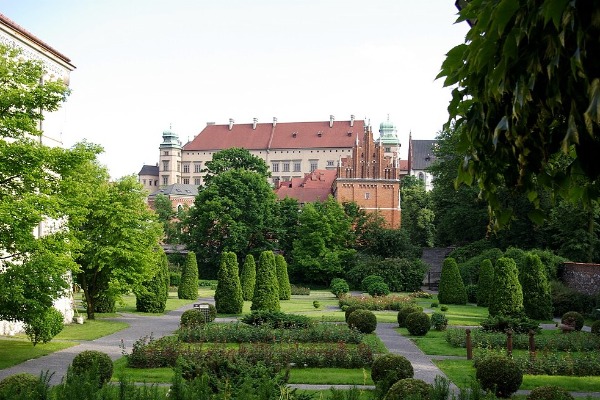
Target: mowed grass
(90, 330)
(458, 315)
(148, 375)
(17, 350)
(331, 376)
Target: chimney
(210, 123)
(231, 121)
(352, 120)
(274, 122)
(331, 121)
(254, 122)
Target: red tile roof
(290, 135)
(315, 186)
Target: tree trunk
(89, 297)
(590, 252)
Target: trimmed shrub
(574, 319)
(152, 295)
(507, 294)
(485, 283)
(471, 293)
(174, 278)
(339, 287)
(388, 369)
(452, 289)
(404, 311)
(18, 386)
(266, 290)
(228, 296)
(192, 318)
(378, 289)
(96, 362)
(549, 393)
(502, 323)
(409, 388)
(439, 322)
(565, 299)
(470, 268)
(435, 304)
(43, 328)
(105, 303)
(188, 288)
(350, 309)
(596, 327)
(248, 277)
(369, 280)
(400, 274)
(444, 308)
(363, 320)
(418, 323)
(499, 374)
(537, 301)
(285, 290)
(277, 319)
(551, 262)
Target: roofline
(20, 30)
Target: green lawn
(17, 350)
(90, 330)
(331, 376)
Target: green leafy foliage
(193, 318)
(188, 288)
(285, 290)
(502, 323)
(248, 277)
(266, 290)
(228, 296)
(565, 299)
(507, 294)
(339, 287)
(409, 388)
(439, 322)
(362, 320)
(234, 158)
(417, 212)
(43, 328)
(404, 311)
(93, 361)
(485, 283)
(350, 309)
(537, 301)
(549, 393)
(22, 385)
(417, 323)
(499, 374)
(452, 289)
(152, 295)
(388, 369)
(369, 280)
(574, 319)
(595, 328)
(378, 289)
(400, 274)
(277, 320)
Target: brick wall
(584, 278)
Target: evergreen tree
(485, 283)
(188, 288)
(266, 290)
(452, 289)
(228, 296)
(507, 294)
(248, 277)
(285, 289)
(537, 301)
(152, 295)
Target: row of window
(186, 167)
(150, 182)
(285, 165)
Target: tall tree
(188, 287)
(248, 277)
(287, 213)
(537, 301)
(266, 290)
(527, 95)
(168, 218)
(151, 295)
(417, 212)
(232, 159)
(283, 280)
(228, 296)
(507, 294)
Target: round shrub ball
(350, 309)
(378, 289)
(418, 323)
(500, 374)
(192, 318)
(596, 327)
(92, 360)
(390, 368)
(573, 318)
(439, 322)
(549, 393)
(404, 311)
(363, 320)
(408, 388)
(17, 385)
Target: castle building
(421, 155)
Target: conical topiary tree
(266, 290)
(248, 277)
(537, 300)
(285, 289)
(188, 287)
(152, 295)
(228, 296)
(507, 294)
(485, 282)
(452, 289)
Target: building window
(421, 176)
(286, 167)
(186, 181)
(166, 153)
(144, 182)
(388, 150)
(150, 182)
(275, 167)
(197, 168)
(197, 181)
(165, 165)
(330, 163)
(296, 166)
(186, 168)
(178, 166)
(165, 180)
(367, 195)
(313, 165)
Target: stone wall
(584, 278)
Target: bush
(95, 362)
(391, 302)
(549, 393)
(363, 320)
(537, 301)
(390, 368)
(507, 294)
(499, 374)
(400, 274)
(105, 303)
(43, 328)
(300, 290)
(188, 288)
(174, 278)
(212, 311)
(350, 309)
(435, 304)
(248, 277)
(285, 291)
(277, 319)
(485, 283)
(228, 296)
(471, 268)
(565, 299)
(452, 289)
(418, 323)
(339, 287)
(574, 319)
(439, 322)
(266, 290)
(471, 293)
(596, 327)
(502, 323)
(409, 388)
(369, 280)
(444, 308)
(18, 386)
(404, 311)
(378, 289)
(192, 318)
(152, 295)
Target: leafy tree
(452, 289)
(151, 296)
(417, 212)
(266, 290)
(188, 288)
(228, 296)
(168, 218)
(527, 99)
(322, 250)
(537, 301)
(248, 277)
(507, 294)
(485, 283)
(285, 289)
(287, 213)
(234, 212)
(234, 158)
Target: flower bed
(376, 303)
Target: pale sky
(146, 65)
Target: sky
(145, 66)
